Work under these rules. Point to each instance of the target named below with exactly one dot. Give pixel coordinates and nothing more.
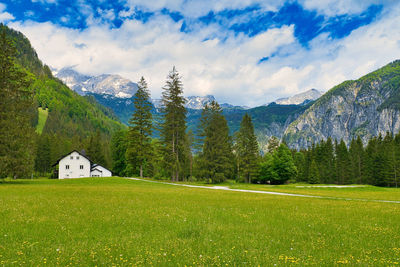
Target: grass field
(43, 114)
(115, 221)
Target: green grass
(115, 221)
(43, 114)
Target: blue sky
(244, 52)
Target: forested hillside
(72, 119)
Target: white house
(100, 171)
(77, 165)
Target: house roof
(94, 166)
(69, 154)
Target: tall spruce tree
(95, 149)
(314, 176)
(396, 167)
(217, 155)
(300, 163)
(43, 154)
(247, 151)
(140, 129)
(343, 163)
(16, 131)
(118, 152)
(173, 127)
(356, 151)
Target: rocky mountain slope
(365, 107)
(300, 99)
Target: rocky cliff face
(365, 108)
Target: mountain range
(104, 84)
(365, 107)
(270, 119)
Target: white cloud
(228, 69)
(5, 16)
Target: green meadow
(120, 222)
(43, 114)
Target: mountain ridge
(365, 107)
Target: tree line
(377, 163)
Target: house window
(81, 167)
(71, 157)
(67, 167)
(77, 157)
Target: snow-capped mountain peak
(109, 84)
(302, 98)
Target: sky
(244, 52)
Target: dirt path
(266, 192)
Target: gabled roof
(71, 153)
(94, 167)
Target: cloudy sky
(245, 52)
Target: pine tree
(396, 167)
(343, 163)
(314, 176)
(140, 129)
(95, 150)
(217, 155)
(300, 162)
(118, 152)
(16, 131)
(247, 150)
(388, 153)
(43, 154)
(173, 127)
(357, 160)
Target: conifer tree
(396, 167)
(343, 163)
(314, 176)
(300, 161)
(118, 152)
(16, 131)
(356, 151)
(247, 151)
(173, 127)
(140, 129)
(43, 154)
(217, 155)
(95, 150)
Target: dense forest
(73, 121)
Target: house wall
(96, 173)
(105, 172)
(74, 170)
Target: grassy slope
(43, 114)
(122, 222)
